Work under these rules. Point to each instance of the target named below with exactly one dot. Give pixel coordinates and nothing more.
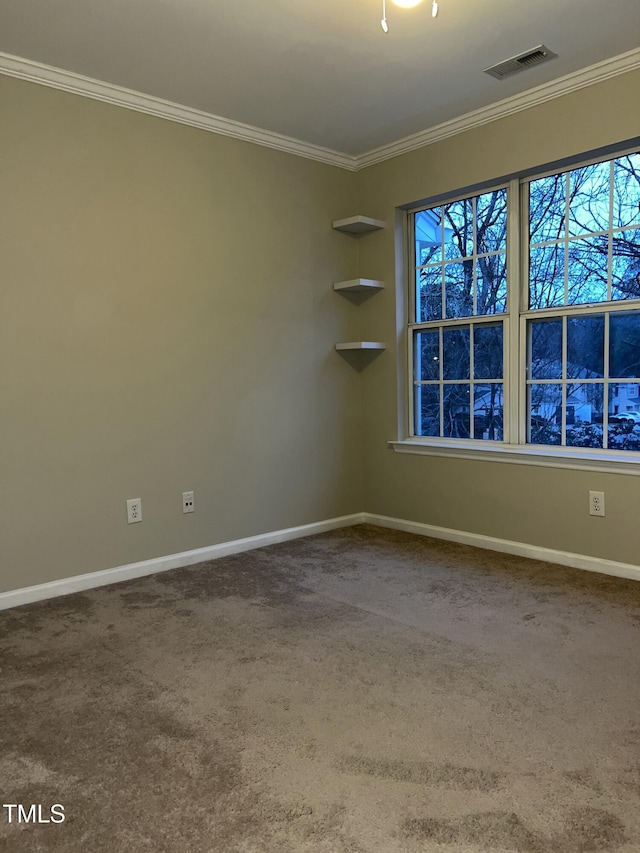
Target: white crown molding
(77, 84)
(93, 580)
(68, 81)
(597, 73)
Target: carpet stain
(586, 831)
(423, 773)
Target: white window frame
(514, 448)
(471, 320)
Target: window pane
(455, 353)
(624, 417)
(458, 282)
(624, 435)
(626, 265)
(544, 407)
(589, 198)
(487, 351)
(488, 406)
(427, 355)
(623, 399)
(547, 208)
(491, 222)
(545, 346)
(429, 294)
(588, 270)
(428, 228)
(626, 193)
(546, 277)
(458, 222)
(427, 409)
(584, 415)
(585, 347)
(456, 410)
(624, 345)
(491, 284)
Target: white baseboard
(91, 580)
(507, 546)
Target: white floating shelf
(358, 224)
(361, 345)
(359, 285)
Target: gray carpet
(361, 690)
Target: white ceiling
(322, 72)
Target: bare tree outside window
(584, 250)
(461, 277)
(581, 247)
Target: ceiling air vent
(520, 62)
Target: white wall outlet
(134, 510)
(596, 503)
(188, 504)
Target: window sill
(609, 462)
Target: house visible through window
(573, 329)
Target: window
(461, 287)
(545, 352)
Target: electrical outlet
(596, 503)
(134, 510)
(188, 504)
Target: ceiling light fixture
(404, 4)
(383, 22)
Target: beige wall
(166, 323)
(545, 507)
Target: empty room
(320, 418)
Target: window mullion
(610, 234)
(565, 243)
(472, 396)
(474, 262)
(410, 425)
(512, 369)
(440, 378)
(605, 385)
(564, 384)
